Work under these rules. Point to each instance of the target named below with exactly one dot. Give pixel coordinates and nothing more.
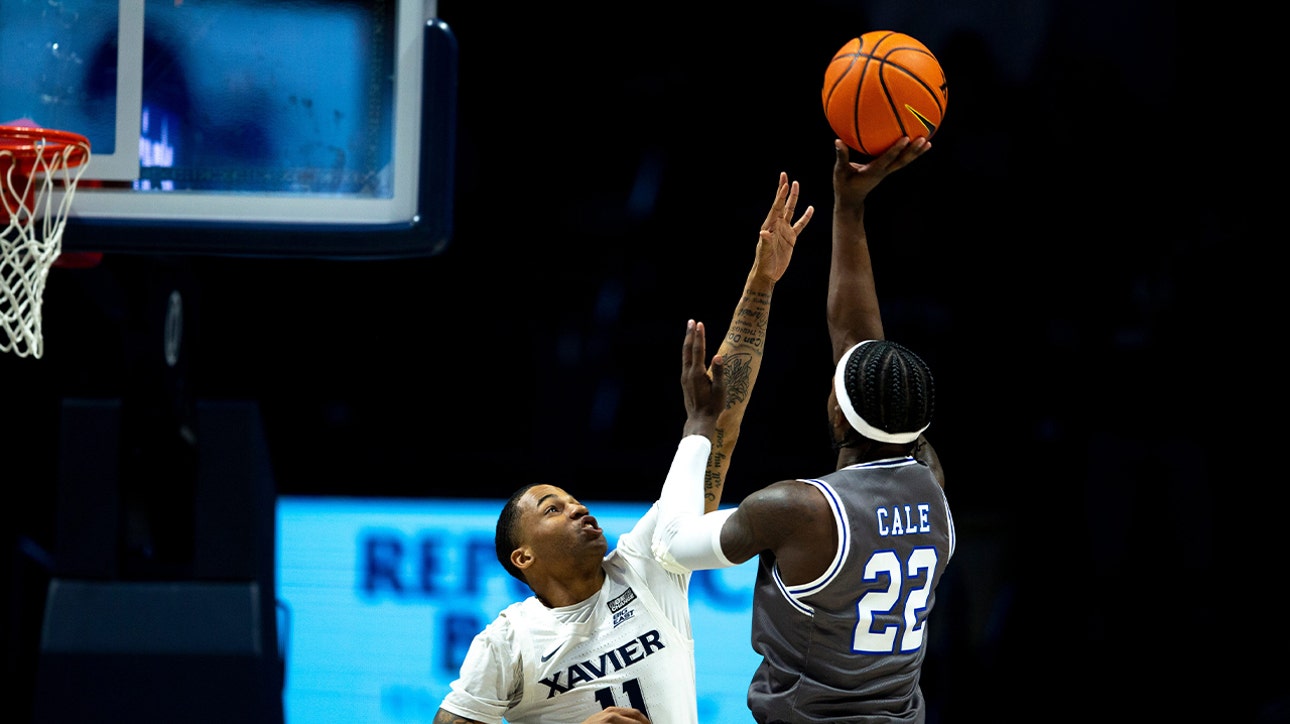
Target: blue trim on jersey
(884, 463)
(949, 518)
(844, 541)
(788, 596)
(794, 594)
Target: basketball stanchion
(39, 170)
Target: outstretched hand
(704, 391)
(779, 232)
(617, 715)
(852, 182)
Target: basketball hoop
(36, 164)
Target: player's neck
(869, 451)
(566, 590)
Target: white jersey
(629, 645)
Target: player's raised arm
(852, 307)
(852, 311)
(744, 344)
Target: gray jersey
(848, 646)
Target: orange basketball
(881, 86)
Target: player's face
(557, 526)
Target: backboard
(320, 128)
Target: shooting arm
(852, 307)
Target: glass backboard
(309, 127)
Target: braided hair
(885, 391)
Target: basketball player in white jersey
(848, 562)
(607, 638)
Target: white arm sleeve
(685, 539)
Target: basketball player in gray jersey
(848, 563)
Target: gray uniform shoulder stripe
(794, 593)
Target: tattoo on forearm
(712, 476)
(746, 338)
(738, 378)
(712, 483)
(749, 325)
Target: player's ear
(837, 419)
(522, 557)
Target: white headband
(853, 417)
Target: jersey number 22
(922, 564)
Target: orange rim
(24, 142)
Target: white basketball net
(36, 205)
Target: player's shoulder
(787, 497)
(635, 543)
(513, 626)
(631, 567)
(516, 615)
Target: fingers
(786, 196)
(806, 219)
(841, 152)
(903, 152)
(692, 348)
(699, 348)
(888, 157)
(782, 192)
(916, 148)
(794, 190)
(859, 179)
(618, 715)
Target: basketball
(881, 86)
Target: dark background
(1074, 258)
